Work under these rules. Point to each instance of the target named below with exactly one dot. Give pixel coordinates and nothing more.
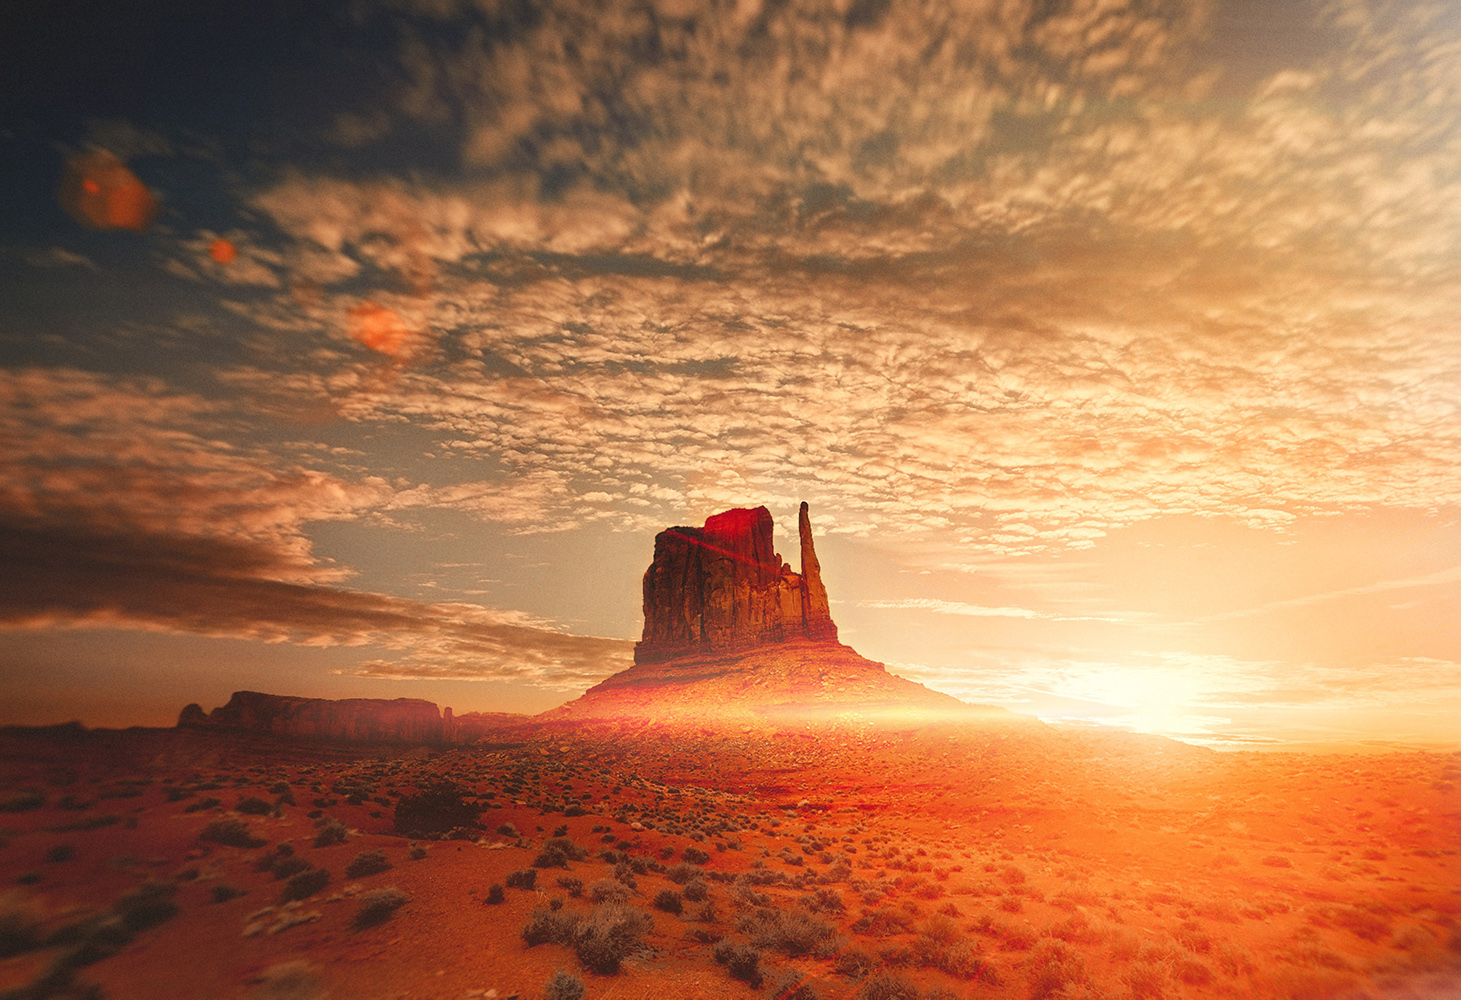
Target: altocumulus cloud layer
(983, 282)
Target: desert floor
(850, 860)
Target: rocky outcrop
(723, 588)
(730, 631)
(352, 720)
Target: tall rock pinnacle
(722, 587)
(816, 611)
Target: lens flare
(98, 191)
(379, 328)
(223, 251)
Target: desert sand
(846, 859)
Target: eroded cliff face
(723, 588)
(355, 720)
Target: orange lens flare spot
(222, 251)
(98, 191)
(379, 328)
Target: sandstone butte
(730, 630)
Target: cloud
(117, 511)
(960, 608)
(1439, 578)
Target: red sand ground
(966, 858)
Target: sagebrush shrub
(610, 934)
(606, 890)
(1055, 967)
(854, 963)
(886, 986)
(790, 986)
(549, 927)
(557, 852)
(438, 806)
(330, 833)
(305, 884)
(367, 863)
(669, 901)
(230, 833)
(377, 905)
(523, 878)
(795, 933)
(563, 986)
(742, 961)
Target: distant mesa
(347, 720)
(353, 720)
(730, 629)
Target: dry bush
(304, 885)
(563, 986)
(606, 890)
(1360, 922)
(1011, 904)
(230, 833)
(1124, 945)
(549, 927)
(962, 960)
(790, 986)
(682, 873)
(885, 986)
(1017, 937)
(330, 832)
(367, 863)
(1054, 967)
(882, 923)
(21, 918)
(1148, 979)
(1012, 874)
(146, 906)
(1076, 928)
(1192, 971)
(854, 963)
(795, 932)
(439, 806)
(557, 852)
(610, 934)
(523, 878)
(1277, 861)
(669, 901)
(1233, 959)
(377, 905)
(742, 961)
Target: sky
(1114, 344)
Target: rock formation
(731, 630)
(723, 588)
(354, 720)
